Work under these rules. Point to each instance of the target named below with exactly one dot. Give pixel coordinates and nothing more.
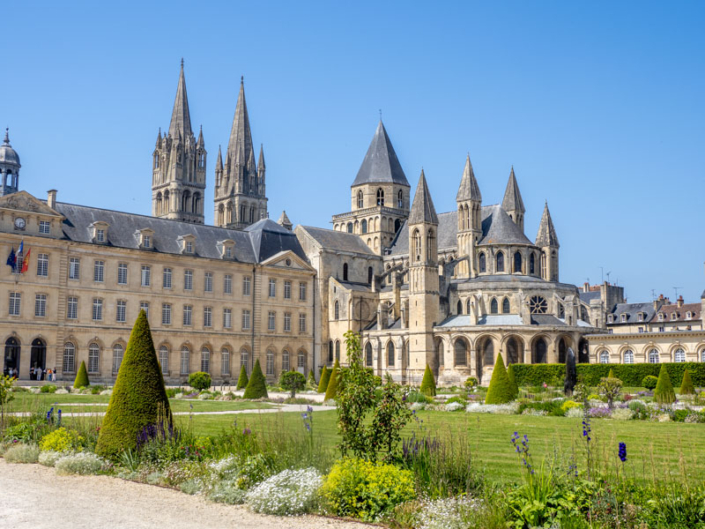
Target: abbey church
(451, 290)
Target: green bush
(325, 378)
(48, 388)
(139, 395)
(257, 386)
(649, 382)
(687, 384)
(611, 373)
(512, 380)
(84, 463)
(199, 380)
(500, 390)
(470, 382)
(311, 381)
(428, 384)
(242, 380)
(332, 389)
(292, 381)
(22, 453)
(366, 490)
(664, 394)
(552, 408)
(62, 440)
(81, 377)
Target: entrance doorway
(38, 357)
(12, 357)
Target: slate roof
(546, 319)
(259, 242)
(381, 164)
(680, 312)
(468, 189)
(512, 197)
(338, 240)
(631, 310)
(498, 228)
(546, 235)
(463, 320)
(587, 297)
(422, 210)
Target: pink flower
(545, 385)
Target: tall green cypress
(500, 390)
(664, 394)
(242, 379)
(332, 389)
(325, 378)
(687, 387)
(81, 377)
(428, 384)
(515, 387)
(257, 386)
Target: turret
(9, 167)
(469, 201)
(512, 203)
(547, 240)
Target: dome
(8, 155)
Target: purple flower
(246, 431)
(623, 452)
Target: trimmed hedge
(664, 394)
(257, 386)
(81, 377)
(139, 396)
(332, 389)
(242, 380)
(325, 378)
(428, 384)
(500, 390)
(512, 380)
(631, 375)
(687, 385)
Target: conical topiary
(500, 390)
(512, 380)
(332, 389)
(242, 380)
(611, 374)
(428, 384)
(81, 377)
(664, 394)
(687, 387)
(257, 386)
(311, 380)
(325, 378)
(139, 397)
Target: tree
(81, 380)
(292, 381)
(6, 396)
(515, 387)
(610, 388)
(332, 389)
(428, 384)
(199, 380)
(242, 379)
(664, 394)
(257, 386)
(139, 397)
(311, 381)
(325, 379)
(687, 387)
(500, 390)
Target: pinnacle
(422, 210)
(512, 197)
(469, 189)
(180, 116)
(546, 235)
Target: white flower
(448, 513)
(511, 408)
(80, 463)
(290, 492)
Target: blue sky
(598, 105)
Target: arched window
(540, 352)
(159, 204)
(439, 353)
(285, 361)
(517, 263)
(164, 359)
(390, 354)
(185, 360)
(488, 353)
(117, 358)
(337, 310)
(331, 353)
(12, 356)
(270, 363)
(702, 355)
(461, 353)
(245, 360)
(225, 361)
(337, 350)
(532, 264)
(483, 263)
(543, 265)
(494, 306)
(196, 202)
(69, 357)
(460, 307)
(345, 272)
(430, 245)
(400, 199)
(628, 356)
(653, 357)
(360, 200)
(416, 250)
(512, 351)
(368, 354)
(505, 306)
(467, 306)
(679, 355)
(205, 360)
(370, 275)
(363, 225)
(604, 357)
(380, 197)
(167, 203)
(397, 225)
(500, 262)
(221, 215)
(93, 358)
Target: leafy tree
(292, 381)
(500, 390)
(388, 420)
(687, 387)
(81, 380)
(6, 396)
(332, 389)
(139, 397)
(428, 384)
(199, 380)
(325, 379)
(311, 381)
(242, 379)
(512, 380)
(610, 388)
(257, 386)
(664, 394)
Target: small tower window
(337, 310)
(417, 245)
(532, 264)
(430, 245)
(505, 306)
(494, 307)
(500, 262)
(483, 263)
(380, 197)
(517, 262)
(345, 271)
(370, 273)
(364, 226)
(400, 199)
(360, 200)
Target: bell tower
(9, 167)
(469, 200)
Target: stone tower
(423, 282)
(179, 165)
(512, 203)
(240, 198)
(379, 195)
(9, 167)
(469, 200)
(547, 240)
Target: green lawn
(653, 448)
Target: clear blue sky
(598, 105)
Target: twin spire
(546, 235)
(180, 125)
(512, 197)
(240, 145)
(468, 190)
(422, 210)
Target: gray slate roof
(338, 240)
(261, 240)
(586, 297)
(512, 197)
(381, 164)
(7, 153)
(631, 310)
(468, 190)
(546, 235)
(422, 210)
(498, 228)
(546, 319)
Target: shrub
(49, 457)
(332, 389)
(611, 373)
(366, 490)
(292, 381)
(48, 388)
(454, 406)
(22, 453)
(687, 384)
(567, 405)
(62, 440)
(257, 385)
(511, 408)
(512, 381)
(139, 395)
(199, 380)
(428, 384)
(610, 388)
(416, 396)
(649, 382)
(552, 408)
(664, 394)
(457, 399)
(500, 390)
(454, 513)
(227, 492)
(325, 378)
(242, 380)
(311, 381)
(81, 380)
(84, 463)
(622, 414)
(288, 493)
(470, 382)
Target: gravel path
(300, 408)
(34, 497)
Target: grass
(660, 450)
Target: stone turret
(9, 167)
(469, 201)
(547, 240)
(513, 203)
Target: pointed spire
(422, 209)
(159, 137)
(6, 141)
(468, 190)
(240, 144)
(200, 142)
(381, 164)
(284, 221)
(260, 162)
(512, 197)
(546, 235)
(180, 116)
(219, 161)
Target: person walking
(38, 372)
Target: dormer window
(189, 247)
(610, 319)
(226, 249)
(640, 316)
(187, 243)
(661, 316)
(100, 232)
(673, 316)
(146, 241)
(624, 318)
(146, 238)
(688, 315)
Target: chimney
(51, 198)
(586, 287)
(656, 304)
(679, 301)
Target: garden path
(34, 497)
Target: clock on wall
(20, 223)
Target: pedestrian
(49, 374)
(38, 372)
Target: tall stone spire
(469, 202)
(422, 210)
(468, 190)
(381, 164)
(180, 116)
(546, 235)
(240, 144)
(512, 203)
(260, 161)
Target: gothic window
(540, 352)
(337, 350)
(397, 225)
(543, 265)
(368, 354)
(505, 306)
(430, 245)
(364, 226)
(561, 311)
(500, 262)
(331, 350)
(350, 227)
(460, 307)
(185, 199)
(469, 304)
(488, 352)
(242, 213)
(517, 263)
(416, 250)
(400, 199)
(221, 211)
(532, 264)
(461, 353)
(494, 307)
(337, 310)
(360, 200)
(538, 305)
(390, 354)
(159, 203)
(380, 197)
(196, 203)
(252, 214)
(483, 263)
(370, 275)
